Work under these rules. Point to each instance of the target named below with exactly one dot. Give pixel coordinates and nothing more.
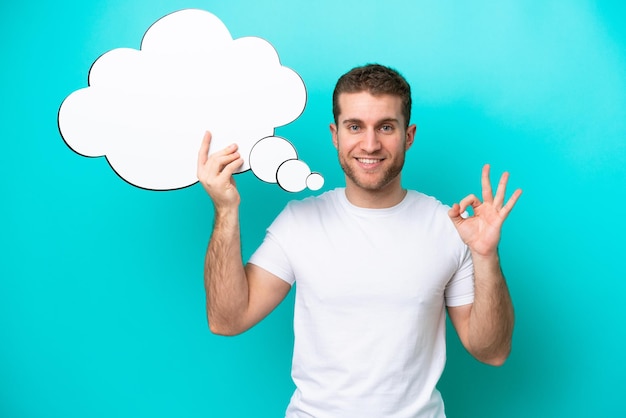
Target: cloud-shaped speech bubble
(147, 110)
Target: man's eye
(353, 128)
(386, 128)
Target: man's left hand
(481, 232)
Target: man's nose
(370, 142)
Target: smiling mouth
(369, 160)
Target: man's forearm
(224, 275)
(491, 321)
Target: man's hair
(377, 80)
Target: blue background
(101, 294)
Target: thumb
(455, 213)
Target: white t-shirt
(369, 320)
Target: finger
(222, 157)
(455, 213)
(470, 200)
(486, 184)
(204, 156)
(232, 166)
(506, 209)
(221, 180)
(215, 163)
(219, 160)
(203, 153)
(501, 190)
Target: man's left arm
(485, 327)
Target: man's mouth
(369, 160)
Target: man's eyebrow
(350, 121)
(359, 121)
(390, 120)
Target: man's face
(371, 140)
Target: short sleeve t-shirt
(371, 291)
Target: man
(376, 266)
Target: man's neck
(375, 199)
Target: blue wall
(101, 295)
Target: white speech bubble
(147, 110)
(268, 154)
(315, 181)
(292, 175)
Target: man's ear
(333, 132)
(410, 136)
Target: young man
(376, 266)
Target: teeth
(368, 160)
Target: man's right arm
(237, 297)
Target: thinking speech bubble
(147, 110)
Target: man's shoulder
(317, 202)
(307, 213)
(418, 198)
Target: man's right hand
(215, 172)
(237, 297)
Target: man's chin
(371, 184)
(374, 182)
